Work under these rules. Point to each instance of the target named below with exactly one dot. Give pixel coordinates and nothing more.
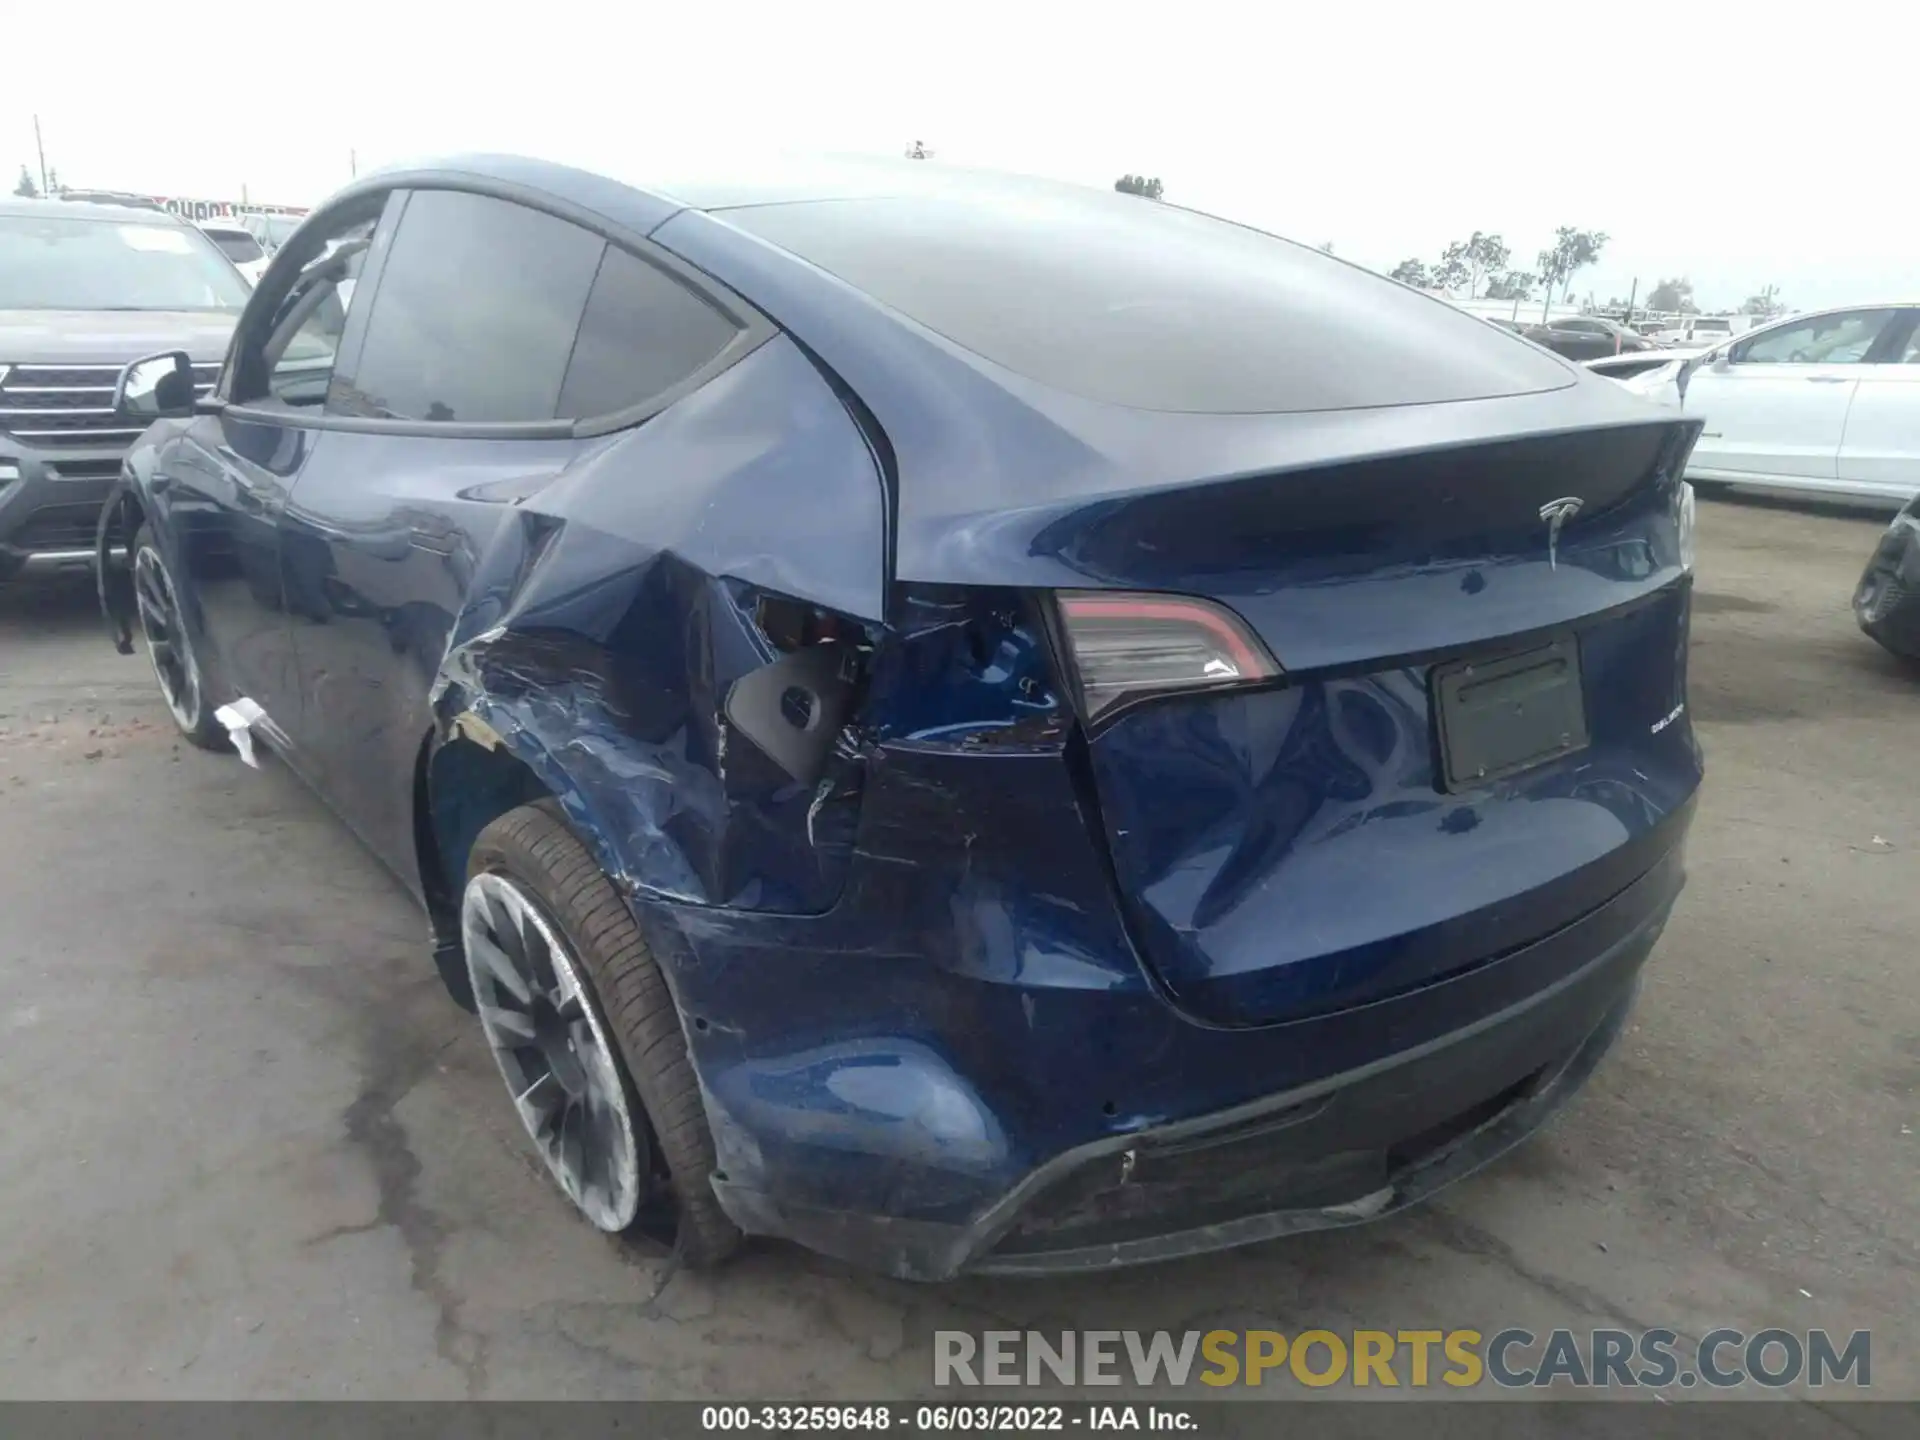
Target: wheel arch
(460, 786)
(466, 776)
(120, 520)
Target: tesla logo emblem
(1556, 513)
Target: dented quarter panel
(589, 600)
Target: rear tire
(176, 669)
(532, 851)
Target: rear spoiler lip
(1024, 545)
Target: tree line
(1674, 295)
(1481, 267)
(1484, 259)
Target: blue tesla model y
(967, 723)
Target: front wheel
(170, 648)
(587, 1038)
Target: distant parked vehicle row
(1696, 330)
(1827, 402)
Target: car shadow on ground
(1829, 507)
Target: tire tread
(535, 843)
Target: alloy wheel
(552, 1048)
(167, 644)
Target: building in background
(186, 207)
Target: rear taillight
(1126, 647)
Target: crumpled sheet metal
(607, 618)
(676, 806)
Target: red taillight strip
(1248, 656)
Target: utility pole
(41, 149)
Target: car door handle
(1830, 379)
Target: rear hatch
(1275, 507)
(1473, 734)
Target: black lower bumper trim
(1528, 1105)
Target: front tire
(587, 1038)
(182, 680)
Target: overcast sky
(1735, 144)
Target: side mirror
(159, 387)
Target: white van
(1702, 329)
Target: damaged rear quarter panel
(609, 612)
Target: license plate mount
(1503, 714)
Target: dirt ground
(251, 1149)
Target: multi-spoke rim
(547, 1037)
(167, 644)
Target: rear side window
(476, 312)
(643, 332)
(1137, 303)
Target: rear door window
(1839, 339)
(476, 313)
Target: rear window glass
(237, 245)
(1132, 302)
(643, 333)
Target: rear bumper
(1887, 600)
(1328, 1122)
(1353, 1149)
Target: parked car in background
(83, 289)
(239, 245)
(1887, 600)
(1827, 403)
(270, 230)
(1586, 337)
(948, 790)
(1697, 330)
(1648, 366)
